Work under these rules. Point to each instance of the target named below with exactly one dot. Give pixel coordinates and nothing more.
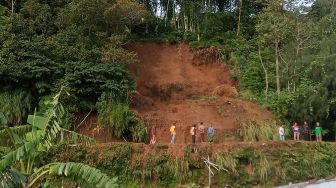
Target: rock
(225, 90)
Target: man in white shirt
(281, 133)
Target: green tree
(274, 27)
(30, 143)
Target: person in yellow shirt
(173, 134)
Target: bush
(120, 118)
(248, 166)
(251, 130)
(15, 106)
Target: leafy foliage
(85, 175)
(264, 165)
(251, 130)
(15, 106)
(11, 178)
(30, 142)
(120, 118)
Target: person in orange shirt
(193, 134)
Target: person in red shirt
(202, 132)
(153, 135)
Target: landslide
(177, 84)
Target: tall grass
(120, 118)
(252, 130)
(179, 167)
(227, 161)
(15, 106)
(263, 168)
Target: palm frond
(3, 119)
(72, 137)
(10, 136)
(11, 178)
(81, 173)
(22, 152)
(45, 139)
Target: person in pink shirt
(296, 131)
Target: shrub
(15, 106)
(251, 130)
(120, 118)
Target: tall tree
(274, 26)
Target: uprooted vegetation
(260, 164)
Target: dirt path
(175, 86)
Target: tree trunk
(277, 68)
(174, 16)
(167, 11)
(206, 17)
(198, 31)
(265, 71)
(288, 80)
(185, 22)
(239, 15)
(297, 51)
(12, 6)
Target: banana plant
(28, 143)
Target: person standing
(153, 135)
(318, 132)
(202, 131)
(211, 133)
(173, 134)
(296, 131)
(305, 131)
(281, 133)
(193, 133)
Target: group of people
(193, 133)
(305, 130)
(210, 132)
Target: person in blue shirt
(211, 133)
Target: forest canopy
(281, 51)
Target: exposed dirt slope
(176, 85)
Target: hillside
(175, 84)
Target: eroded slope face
(175, 84)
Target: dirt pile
(175, 84)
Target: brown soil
(175, 84)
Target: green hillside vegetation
(259, 165)
(281, 52)
(62, 57)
